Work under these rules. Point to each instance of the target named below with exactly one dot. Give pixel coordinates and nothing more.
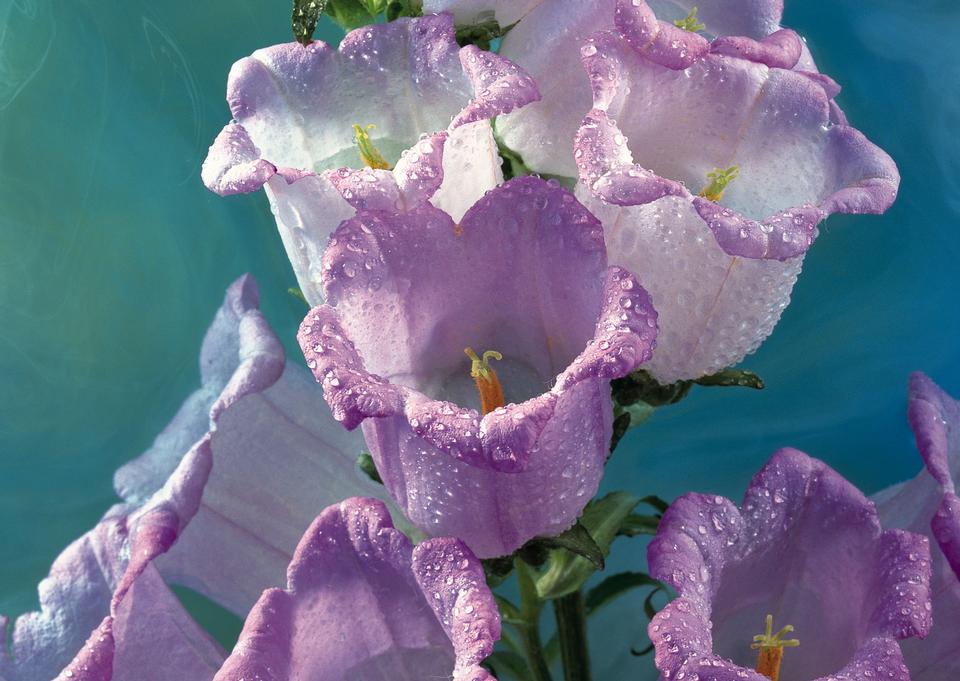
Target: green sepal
(616, 585)
(403, 8)
(481, 34)
(642, 388)
(656, 502)
(298, 294)
(350, 14)
(366, 464)
(740, 378)
(566, 572)
(303, 22)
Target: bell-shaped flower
(928, 505)
(801, 581)
(710, 183)
(199, 509)
(363, 603)
(546, 37)
(478, 357)
(321, 128)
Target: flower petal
(713, 308)
(547, 43)
(453, 583)
(233, 164)
(353, 606)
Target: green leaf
(656, 502)
(509, 612)
(636, 524)
(349, 14)
(496, 570)
(374, 7)
(732, 377)
(566, 572)
(306, 14)
(621, 424)
(366, 464)
(576, 540)
(501, 661)
(616, 585)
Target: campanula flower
(395, 116)
(928, 505)
(710, 183)
(478, 357)
(199, 508)
(800, 582)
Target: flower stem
(572, 633)
(530, 608)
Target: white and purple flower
(301, 129)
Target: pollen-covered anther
(488, 384)
(369, 154)
(770, 647)
(689, 22)
(720, 179)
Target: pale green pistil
(770, 647)
(689, 22)
(371, 156)
(719, 179)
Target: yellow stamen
(689, 22)
(770, 647)
(488, 385)
(719, 179)
(371, 156)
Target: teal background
(113, 258)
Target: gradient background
(113, 259)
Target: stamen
(719, 179)
(771, 647)
(689, 22)
(371, 156)
(488, 385)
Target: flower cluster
(476, 325)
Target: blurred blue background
(113, 258)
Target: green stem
(571, 617)
(530, 608)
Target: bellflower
(320, 129)
(929, 505)
(523, 281)
(806, 548)
(199, 508)
(546, 37)
(363, 603)
(711, 182)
